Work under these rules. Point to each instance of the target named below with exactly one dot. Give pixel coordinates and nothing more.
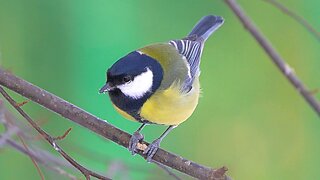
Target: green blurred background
(249, 118)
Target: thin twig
(22, 103)
(103, 128)
(275, 57)
(11, 126)
(86, 172)
(296, 17)
(63, 136)
(52, 162)
(38, 158)
(7, 135)
(34, 162)
(11, 123)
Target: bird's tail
(205, 27)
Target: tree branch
(86, 172)
(286, 70)
(296, 17)
(103, 128)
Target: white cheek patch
(139, 86)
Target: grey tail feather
(205, 27)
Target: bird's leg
(151, 150)
(135, 139)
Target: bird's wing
(191, 51)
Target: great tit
(159, 83)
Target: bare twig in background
(24, 129)
(86, 172)
(296, 17)
(31, 157)
(43, 157)
(39, 159)
(7, 135)
(10, 127)
(275, 57)
(116, 169)
(103, 128)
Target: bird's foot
(151, 150)
(134, 140)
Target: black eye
(126, 79)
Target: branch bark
(286, 70)
(101, 127)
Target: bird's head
(135, 76)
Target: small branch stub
(64, 135)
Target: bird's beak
(107, 87)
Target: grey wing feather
(191, 46)
(191, 50)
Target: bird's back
(170, 104)
(174, 66)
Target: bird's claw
(134, 140)
(151, 150)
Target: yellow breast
(170, 106)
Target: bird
(159, 83)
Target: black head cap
(128, 70)
(132, 65)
